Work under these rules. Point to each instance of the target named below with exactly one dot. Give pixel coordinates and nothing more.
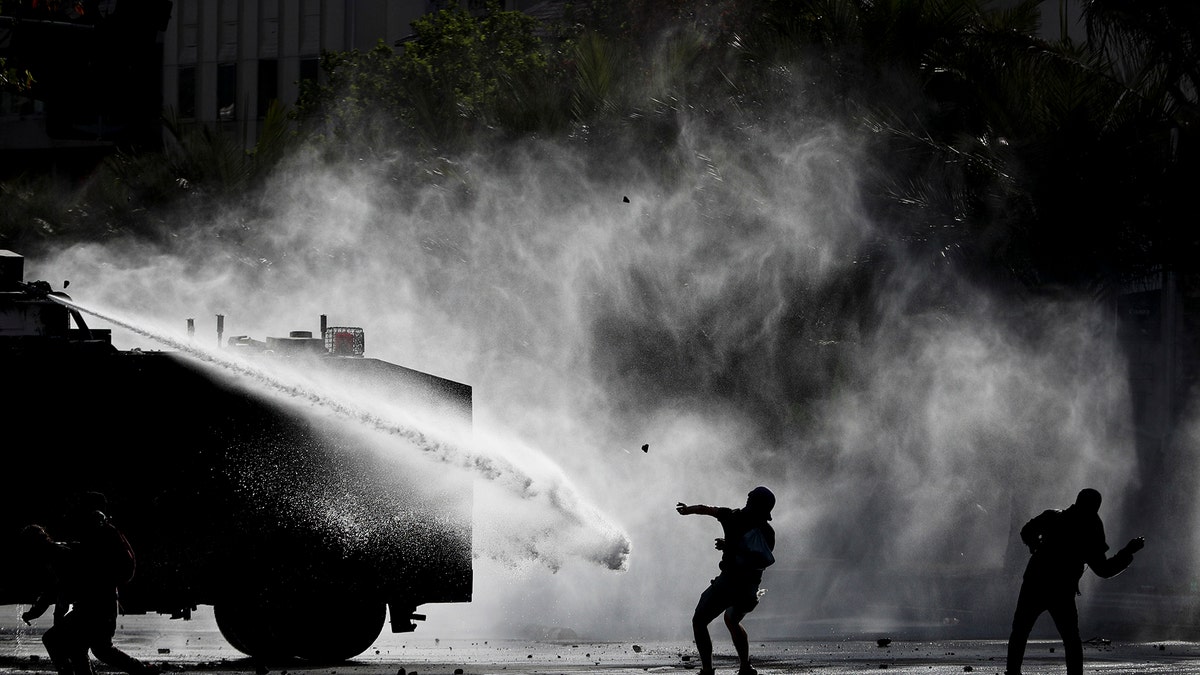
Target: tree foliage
(361, 98)
(1013, 157)
(14, 79)
(455, 75)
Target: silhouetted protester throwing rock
(745, 552)
(1062, 543)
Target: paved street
(197, 646)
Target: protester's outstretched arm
(39, 607)
(696, 509)
(1106, 568)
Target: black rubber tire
(250, 628)
(322, 630)
(339, 630)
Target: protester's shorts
(729, 592)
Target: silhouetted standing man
(1062, 543)
(105, 560)
(746, 551)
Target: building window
(226, 92)
(309, 69)
(268, 84)
(187, 93)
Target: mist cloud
(736, 313)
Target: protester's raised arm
(1106, 568)
(696, 509)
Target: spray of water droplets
(565, 524)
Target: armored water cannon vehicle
(30, 318)
(301, 528)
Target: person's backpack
(753, 551)
(122, 559)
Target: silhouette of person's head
(93, 501)
(35, 540)
(1088, 500)
(760, 500)
(88, 510)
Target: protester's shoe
(705, 671)
(747, 670)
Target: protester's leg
(109, 654)
(81, 663)
(1029, 606)
(102, 626)
(745, 599)
(741, 640)
(710, 606)
(1066, 620)
(57, 649)
(66, 645)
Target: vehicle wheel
(339, 629)
(323, 630)
(253, 629)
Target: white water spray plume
(579, 529)
(741, 314)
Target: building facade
(225, 61)
(222, 62)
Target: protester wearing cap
(746, 550)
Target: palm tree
(1152, 50)
(1155, 46)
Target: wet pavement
(197, 646)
